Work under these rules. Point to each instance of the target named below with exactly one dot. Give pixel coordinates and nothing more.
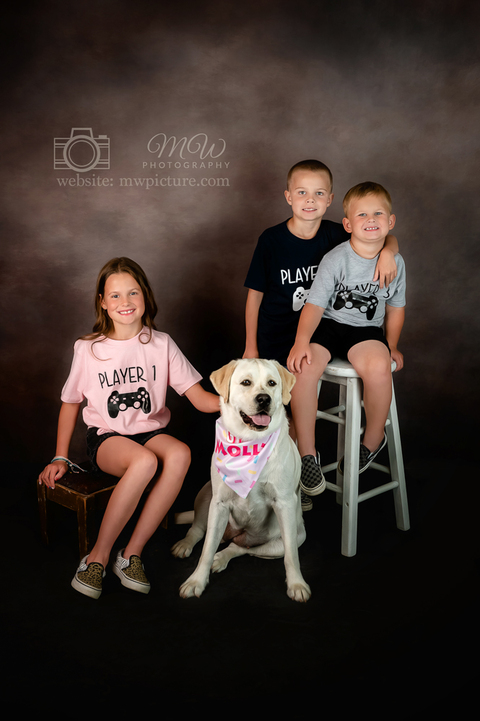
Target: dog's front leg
(217, 522)
(297, 588)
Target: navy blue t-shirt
(283, 268)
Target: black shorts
(94, 441)
(338, 338)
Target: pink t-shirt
(125, 382)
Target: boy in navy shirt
(284, 265)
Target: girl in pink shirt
(123, 369)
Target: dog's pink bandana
(240, 462)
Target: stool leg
(82, 523)
(42, 510)
(342, 396)
(353, 414)
(397, 471)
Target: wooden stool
(348, 416)
(84, 493)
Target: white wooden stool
(348, 416)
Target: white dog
(253, 499)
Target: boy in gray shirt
(354, 312)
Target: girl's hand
(51, 473)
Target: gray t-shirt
(344, 287)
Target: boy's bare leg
(304, 401)
(371, 360)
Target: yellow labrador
(253, 499)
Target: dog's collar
(238, 462)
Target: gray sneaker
(312, 480)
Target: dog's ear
(288, 381)
(221, 379)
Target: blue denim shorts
(94, 441)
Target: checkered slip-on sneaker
(131, 573)
(307, 503)
(312, 480)
(88, 578)
(366, 457)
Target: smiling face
(310, 194)
(123, 300)
(369, 219)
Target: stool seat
(340, 367)
(347, 415)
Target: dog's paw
(181, 549)
(192, 587)
(299, 592)
(220, 562)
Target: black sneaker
(366, 457)
(307, 503)
(312, 481)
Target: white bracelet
(72, 466)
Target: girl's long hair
(103, 323)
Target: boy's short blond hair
(363, 189)
(315, 166)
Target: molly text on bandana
(240, 462)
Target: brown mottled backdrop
(381, 91)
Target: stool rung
(334, 487)
(330, 467)
(368, 494)
(375, 466)
(330, 415)
(326, 416)
(379, 467)
(376, 491)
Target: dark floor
(393, 631)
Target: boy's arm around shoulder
(386, 268)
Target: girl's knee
(144, 461)
(179, 455)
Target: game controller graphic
(121, 401)
(348, 299)
(299, 298)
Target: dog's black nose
(263, 400)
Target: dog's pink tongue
(261, 420)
